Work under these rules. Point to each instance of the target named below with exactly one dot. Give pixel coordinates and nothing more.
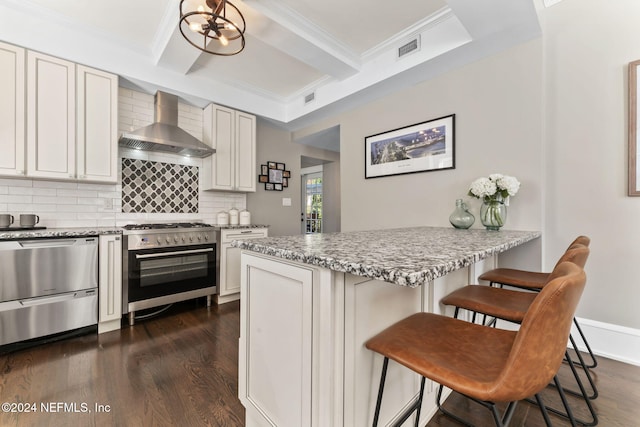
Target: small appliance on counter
(245, 217)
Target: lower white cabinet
(228, 268)
(109, 283)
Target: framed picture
(634, 135)
(422, 147)
(274, 176)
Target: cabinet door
(230, 258)
(97, 127)
(51, 117)
(219, 133)
(245, 152)
(110, 283)
(12, 141)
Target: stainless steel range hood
(164, 135)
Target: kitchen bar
(302, 359)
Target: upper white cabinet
(233, 135)
(71, 121)
(51, 113)
(12, 113)
(97, 138)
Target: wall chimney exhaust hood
(164, 135)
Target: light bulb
(223, 40)
(195, 27)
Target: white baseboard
(611, 341)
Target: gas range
(164, 235)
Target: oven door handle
(161, 254)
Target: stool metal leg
(385, 364)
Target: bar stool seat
(501, 303)
(487, 364)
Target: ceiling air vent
(310, 97)
(407, 48)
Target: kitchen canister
(233, 216)
(245, 217)
(223, 218)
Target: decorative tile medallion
(154, 187)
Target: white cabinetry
(233, 135)
(97, 125)
(12, 114)
(110, 283)
(51, 112)
(229, 261)
(71, 121)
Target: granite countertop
(404, 256)
(59, 232)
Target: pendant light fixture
(213, 26)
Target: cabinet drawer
(227, 236)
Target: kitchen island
(309, 302)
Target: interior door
(312, 203)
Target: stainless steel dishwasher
(47, 286)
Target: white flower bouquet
(494, 192)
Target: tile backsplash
(156, 187)
(77, 204)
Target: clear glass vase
(461, 217)
(493, 214)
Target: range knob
(206, 237)
(183, 239)
(199, 237)
(175, 239)
(159, 240)
(168, 239)
(191, 238)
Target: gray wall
(553, 113)
(275, 144)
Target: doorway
(312, 202)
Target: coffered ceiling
(337, 53)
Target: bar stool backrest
(576, 254)
(541, 341)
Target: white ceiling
(343, 51)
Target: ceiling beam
(277, 25)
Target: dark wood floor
(181, 370)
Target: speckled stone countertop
(58, 232)
(404, 256)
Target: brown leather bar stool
(534, 281)
(486, 364)
(512, 305)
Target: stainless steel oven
(167, 263)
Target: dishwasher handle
(31, 302)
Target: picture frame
(633, 134)
(274, 176)
(422, 147)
